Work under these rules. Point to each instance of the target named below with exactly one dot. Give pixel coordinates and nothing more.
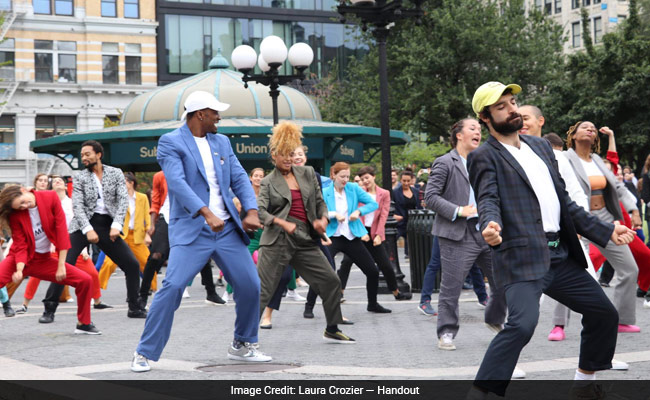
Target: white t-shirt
(164, 209)
(66, 204)
(540, 178)
(131, 210)
(216, 205)
(343, 229)
(591, 168)
(43, 244)
(100, 207)
(369, 218)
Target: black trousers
(569, 284)
(380, 256)
(117, 250)
(159, 253)
(360, 256)
(311, 293)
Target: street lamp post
(273, 53)
(380, 15)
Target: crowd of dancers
(518, 211)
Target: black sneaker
(102, 306)
(377, 308)
(46, 318)
(640, 293)
(403, 296)
(220, 282)
(86, 329)
(9, 311)
(136, 314)
(213, 299)
(308, 313)
(338, 337)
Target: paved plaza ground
(396, 346)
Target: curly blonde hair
(286, 137)
(595, 147)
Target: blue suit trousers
(227, 249)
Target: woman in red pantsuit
(37, 222)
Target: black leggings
(360, 256)
(380, 256)
(117, 250)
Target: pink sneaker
(628, 329)
(557, 334)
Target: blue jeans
(430, 273)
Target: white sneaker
(248, 352)
(301, 283)
(70, 300)
(620, 365)
(186, 294)
(226, 297)
(140, 363)
(646, 303)
(446, 342)
(518, 373)
(293, 295)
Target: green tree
(610, 86)
(435, 68)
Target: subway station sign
(144, 152)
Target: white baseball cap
(201, 100)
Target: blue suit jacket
(187, 183)
(354, 195)
(505, 195)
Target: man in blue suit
(200, 168)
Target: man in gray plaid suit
(527, 217)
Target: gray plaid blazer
(85, 195)
(504, 195)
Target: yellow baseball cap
(489, 93)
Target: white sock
(584, 377)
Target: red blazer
(381, 214)
(158, 192)
(52, 219)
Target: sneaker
(338, 337)
(557, 334)
(101, 306)
(309, 312)
(377, 308)
(403, 296)
(518, 373)
(293, 295)
(137, 313)
(214, 299)
(446, 342)
(620, 365)
(301, 282)
(640, 293)
(220, 282)
(140, 363)
(186, 294)
(646, 303)
(628, 328)
(496, 328)
(427, 309)
(9, 311)
(226, 297)
(342, 298)
(21, 310)
(86, 329)
(248, 352)
(482, 304)
(70, 300)
(467, 286)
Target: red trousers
(86, 266)
(44, 266)
(641, 254)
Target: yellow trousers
(141, 253)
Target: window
(598, 30)
(7, 129)
(133, 64)
(52, 125)
(548, 7)
(110, 73)
(60, 57)
(538, 5)
(61, 7)
(586, 3)
(575, 34)
(131, 9)
(109, 8)
(597, 1)
(7, 65)
(575, 4)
